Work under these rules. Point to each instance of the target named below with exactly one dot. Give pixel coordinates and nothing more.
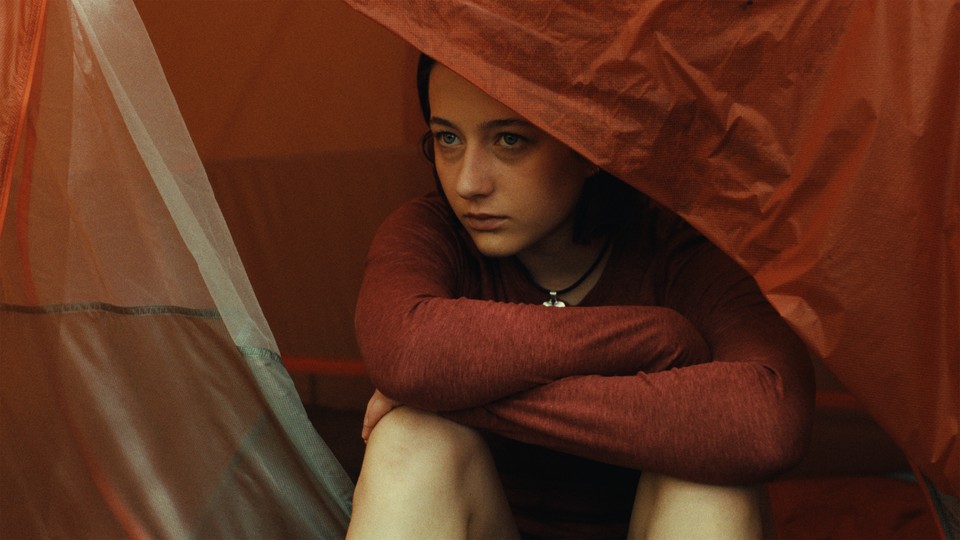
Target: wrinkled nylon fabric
(141, 392)
(816, 142)
(18, 50)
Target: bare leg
(427, 477)
(669, 508)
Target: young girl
(539, 333)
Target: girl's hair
(606, 206)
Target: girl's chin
(495, 247)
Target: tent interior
(305, 117)
(309, 131)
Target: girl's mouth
(483, 222)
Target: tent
(830, 172)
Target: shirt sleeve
(424, 345)
(710, 385)
(741, 418)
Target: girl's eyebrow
(486, 126)
(441, 121)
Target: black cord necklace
(554, 301)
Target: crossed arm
(722, 396)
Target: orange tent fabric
(816, 142)
(19, 47)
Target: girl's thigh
(666, 507)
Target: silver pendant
(553, 301)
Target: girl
(539, 333)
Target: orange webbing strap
(22, 212)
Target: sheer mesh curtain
(141, 391)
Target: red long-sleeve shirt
(674, 362)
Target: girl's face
(512, 186)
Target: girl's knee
(427, 476)
(411, 436)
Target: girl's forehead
(456, 99)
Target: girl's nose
(475, 176)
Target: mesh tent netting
(142, 392)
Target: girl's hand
(377, 407)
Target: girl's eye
(510, 140)
(445, 138)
